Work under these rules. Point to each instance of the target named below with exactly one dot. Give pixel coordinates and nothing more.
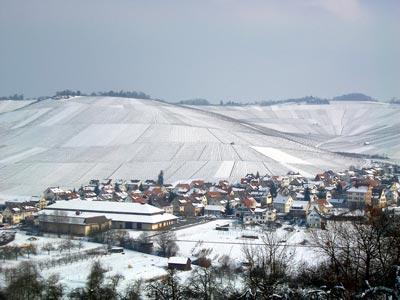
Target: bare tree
(133, 291)
(53, 289)
(48, 247)
(24, 283)
(268, 265)
(360, 251)
(168, 288)
(203, 284)
(98, 286)
(166, 242)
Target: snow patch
(279, 155)
(225, 169)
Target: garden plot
(67, 174)
(22, 155)
(99, 171)
(141, 170)
(8, 171)
(227, 136)
(103, 115)
(120, 154)
(97, 135)
(32, 174)
(56, 155)
(33, 116)
(12, 118)
(208, 170)
(157, 152)
(225, 169)
(93, 154)
(10, 105)
(190, 151)
(248, 153)
(62, 115)
(176, 134)
(45, 137)
(17, 191)
(184, 170)
(219, 152)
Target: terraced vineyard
(69, 142)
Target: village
(183, 226)
(154, 205)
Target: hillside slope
(338, 127)
(69, 142)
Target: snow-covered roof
(215, 207)
(361, 189)
(121, 217)
(105, 206)
(299, 205)
(178, 260)
(336, 201)
(68, 217)
(281, 199)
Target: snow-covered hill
(69, 142)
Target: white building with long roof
(123, 215)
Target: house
(179, 263)
(324, 205)
(214, 210)
(314, 218)
(168, 208)
(123, 215)
(282, 203)
(260, 216)
(378, 197)
(16, 214)
(81, 224)
(182, 188)
(193, 209)
(392, 196)
(299, 209)
(178, 205)
(53, 193)
(133, 185)
(358, 197)
(338, 203)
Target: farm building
(73, 223)
(123, 215)
(179, 263)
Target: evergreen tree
(273, 190)
(228, 209)
(307, 194)
(160, 180)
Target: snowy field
(192, 240)
(69, 142)
(10, 105)
(135, 265)
(132, 265)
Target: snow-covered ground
(135, 265)
(192, 240)
(69, 142)
(132, 265)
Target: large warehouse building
(123, 215)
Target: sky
(239, 50)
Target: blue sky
(215, 49)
